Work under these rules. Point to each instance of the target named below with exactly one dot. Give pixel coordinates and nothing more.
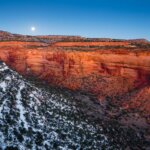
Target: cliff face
(79, 44)
(102, 72)
(107, 72)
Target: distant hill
(7, 36)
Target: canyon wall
(100, 72)
(80, 44)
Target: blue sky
(90, 18)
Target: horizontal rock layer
(67, 44)
(104, 72)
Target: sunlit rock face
(80, 44)
(105, 71)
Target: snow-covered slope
(31, 118)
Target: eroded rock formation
(105, 69)
(99, 71)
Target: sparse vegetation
(65, 117)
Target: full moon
(33, 28)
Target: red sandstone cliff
(80, 44)
(112, 71)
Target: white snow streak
(20, 107)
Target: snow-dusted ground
(31, 118)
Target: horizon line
(86, 37)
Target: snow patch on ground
(3, 85)
(3, 68)
(20, 107)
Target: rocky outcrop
(80, 44)
(115, 72)
(104, 72)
